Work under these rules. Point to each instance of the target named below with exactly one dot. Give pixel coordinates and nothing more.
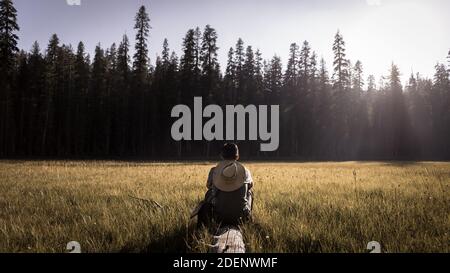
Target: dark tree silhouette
(8, 49)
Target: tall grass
(145, 207)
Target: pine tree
(258, 65)
(249, 88)
(440, 113)
(123, 88)
(123, 61)
(123, 57)
(81, 82)
(371, 85)
(441, 77)
(231, 66)
(448, 62)
(98, 126)
(291, 74)
(197, 39)
(209, 48)
(341, 73)
(35, 84)
(51, 85)
(304, 63)
(323, 73)
(142, 26)
(8, 36)
(394, 79)
(322, 110)
(395, 115)
(342, 101)
(239, 55)
(229, 81)
(290, 96)
(166, 53)
(8, 50)
(188, 68)
(313, 66)
(273, 79)
(239, 58)
(358, 81)
(173, 62)
(20, 100)
(259, 77)
(189, 74)
(141, 108)
(210, 65)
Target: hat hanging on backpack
(229, 176)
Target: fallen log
(228, 240)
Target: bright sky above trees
(412, 33)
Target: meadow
(299, 207)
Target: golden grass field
(299, 207)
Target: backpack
(226, 208)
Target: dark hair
(230, 151)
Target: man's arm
(248, 179)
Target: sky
(414, 34)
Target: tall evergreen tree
(52, 71)
(210, 65)
(313, 66)
(273, 80)
(142, 26)
(342, 101)
(8, 36)
(123, 58)
(358, 81)
(166, 53)
(259, 77)
(123, 96)
(371, 85)
(139, 103)
(35, 85)
(448, 61)
(239, 58)
(229, 81)
(440, 110)
(291, 74)
(188, 68)
(8, 50)
(81, 82)
(197, 51)
(441, 77)
(304, 63)
(340, 63)
(396, 119)
(98, 125)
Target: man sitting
(229, 199)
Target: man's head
(230, 151)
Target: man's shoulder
(211, 171)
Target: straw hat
(229, 176)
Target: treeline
(60, 102)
